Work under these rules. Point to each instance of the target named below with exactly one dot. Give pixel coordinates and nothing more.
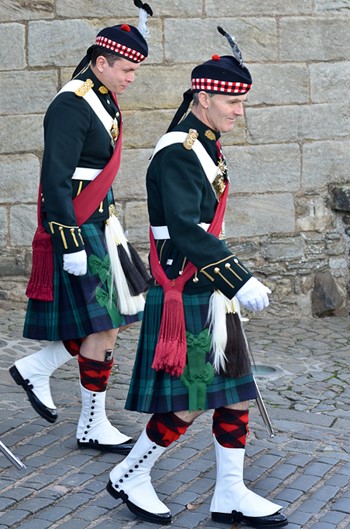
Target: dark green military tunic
(75, 137)
(181, 197)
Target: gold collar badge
(103, 90)
(210, 135)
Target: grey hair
(195, 100)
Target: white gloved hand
(75, 263)
(254, 295)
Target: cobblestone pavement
(304, 378)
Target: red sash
(40, 285)
(170, 353)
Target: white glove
(254, 295)
(75, 263)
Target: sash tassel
(170, 353)
(40, 285)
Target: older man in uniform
(83, 287)
(192, 354)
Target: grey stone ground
(305, 467)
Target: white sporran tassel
(128, 305)
(217, 329)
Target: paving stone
(53, 513)
(283, 471)
(36, 524)
(326, 493)
(189, 519)
(202, 485)
(299, 517)
(13, 516)
(304, 483)
(333, 517)
(5, 503)
(342, 505)
(289, 495)
(321, 525)
(73, 523)
(169, 486)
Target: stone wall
(291, 149)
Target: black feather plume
(146, 7)
(235, 49)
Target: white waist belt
(85, 173)
(162, 232)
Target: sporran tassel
(217, 328)
(135, 282)
(139, 265)
(237, 351)
(134, 270)
(231, 354)
(127, 303)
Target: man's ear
(101, 62)
(203, 99)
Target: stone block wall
(286, 156)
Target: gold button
(217, 270)
(228, 265)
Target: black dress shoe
(274, 520)
(122, 448)
(47, 413)
(160, 519)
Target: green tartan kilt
(153, 391)
(81, 304)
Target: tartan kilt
(80, 304)
(153, 391)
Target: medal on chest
(115, 128)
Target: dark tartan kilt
(76, 311)
(158, 392)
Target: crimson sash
(40, 285)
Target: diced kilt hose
(81, 304)
(199, 387)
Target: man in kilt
(80, 294)
(192, 354)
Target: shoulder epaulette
(190, 139)
(84, 88)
